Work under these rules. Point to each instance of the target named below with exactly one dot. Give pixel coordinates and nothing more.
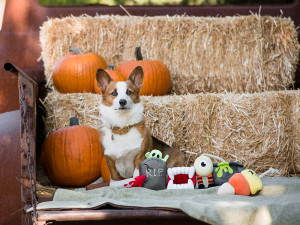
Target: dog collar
(125, 129)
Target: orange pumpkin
(114, 74)
(104, 170)
(157, 79)
(72, 156)
(76, 72)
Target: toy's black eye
(128, 92)
(203, 164)
(114, 93)
(153, 154)
(252, 172)
(157, 156)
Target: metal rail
(109, 214)
(27, 95)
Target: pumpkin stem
(111, 67)
(76, 51)
(74, 121)
(138, 53)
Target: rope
(214, 157)
(208, 155)
(270, 172)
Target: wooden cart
(19, 129)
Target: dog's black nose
(123, 102)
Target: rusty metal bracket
(27, 95)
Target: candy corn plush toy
(245, 183)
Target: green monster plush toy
(224, 170)
(156, 154)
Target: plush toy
(128, 183)
(245, 183)
(157, 154)
(155, 169)
(204, 167)
(181, 178)
(223, 171)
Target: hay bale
(164, 118)
(199, 114)
(61, 107)
(163, 115)
(260, 130)
(295, 111)
(255, 129)
(237, 54)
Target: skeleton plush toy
(204, 167)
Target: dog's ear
(103, 79)
(137, 77)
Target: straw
(260, 130)
(204, 54)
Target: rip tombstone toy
(155, 170)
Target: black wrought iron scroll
(27, 96)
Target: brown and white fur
(122, 110)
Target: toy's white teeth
(190, 184)
(172, 172)
(181, 170)
(170, 185)
(186, 170)
(178, 170)
(191, 172)
(171, 175)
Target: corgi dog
(123, 134)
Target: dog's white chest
(122, 149)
